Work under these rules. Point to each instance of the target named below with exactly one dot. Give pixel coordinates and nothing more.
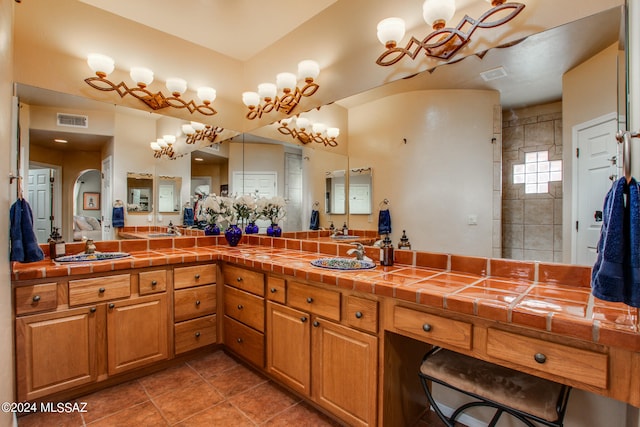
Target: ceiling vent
(73, 120)
(213, 147)
(494, 74)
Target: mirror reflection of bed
(86, 206)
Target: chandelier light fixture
(103, 65)
(305, 131)
(443, 42)
(163, 147)
(199, 132)
(284, 95)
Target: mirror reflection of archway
(87, 206)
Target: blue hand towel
(384, 222)
(24, 244)
(607, 276)
(117, 217)
(314, 224)
(187, 217)
(632, 271)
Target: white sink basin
(97, 256)
(347, 237)
(338, 263)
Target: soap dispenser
(404, 241)
(345, 229)
(332, 227)
(386, 252)
(57, 246)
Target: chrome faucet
(172, 229)
(358, 250)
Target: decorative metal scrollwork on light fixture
(103, 65)
(319, 133)
(199, 132)
(267, 99)
(163, 147)
(443, 42)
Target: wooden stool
(525, 397)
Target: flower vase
(211, 230)
(233, 235)
(252, 228)
(274, 230)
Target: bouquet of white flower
(217, 208)
(273, 209)
(245, 208)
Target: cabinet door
(288, 347)
(55, 351)
(136, 333)
(345, 372)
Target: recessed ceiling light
(62, 141)
(198, 159)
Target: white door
(261, 184)
(293, 191)
(107, 198)
(39, 197)
(596, 171)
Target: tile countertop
(546, 296)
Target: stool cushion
(508, 387)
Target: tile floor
(212, 390)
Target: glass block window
(537, 171)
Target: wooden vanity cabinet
(98, 327)
(243, 323)
(194, 307)
(325, 358)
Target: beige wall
(7, 196)
(443, 173)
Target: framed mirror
(139, 192)
(169, 194)
(360, 183)
(335, 192)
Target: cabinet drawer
(195, 333)
(244, 307)
(99, 289)
(362, 313)
(151, 282)
(431, 328)
(246, 280)
(194, 302)
(244, 341)
(585, 366)
(276, 290)
(185, 277)
(35, 298)
(318, 301)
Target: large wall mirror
(533, 76)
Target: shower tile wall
(531, 223)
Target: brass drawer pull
(303, 319)
(426, 327)
(240, 306)
(101, 290)
(112, 305)
(36, 298)
(358, 315)
(239, 340)
(540, 358)
(197, 334)
(309, 300)
(197, 302)
(273, 290)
